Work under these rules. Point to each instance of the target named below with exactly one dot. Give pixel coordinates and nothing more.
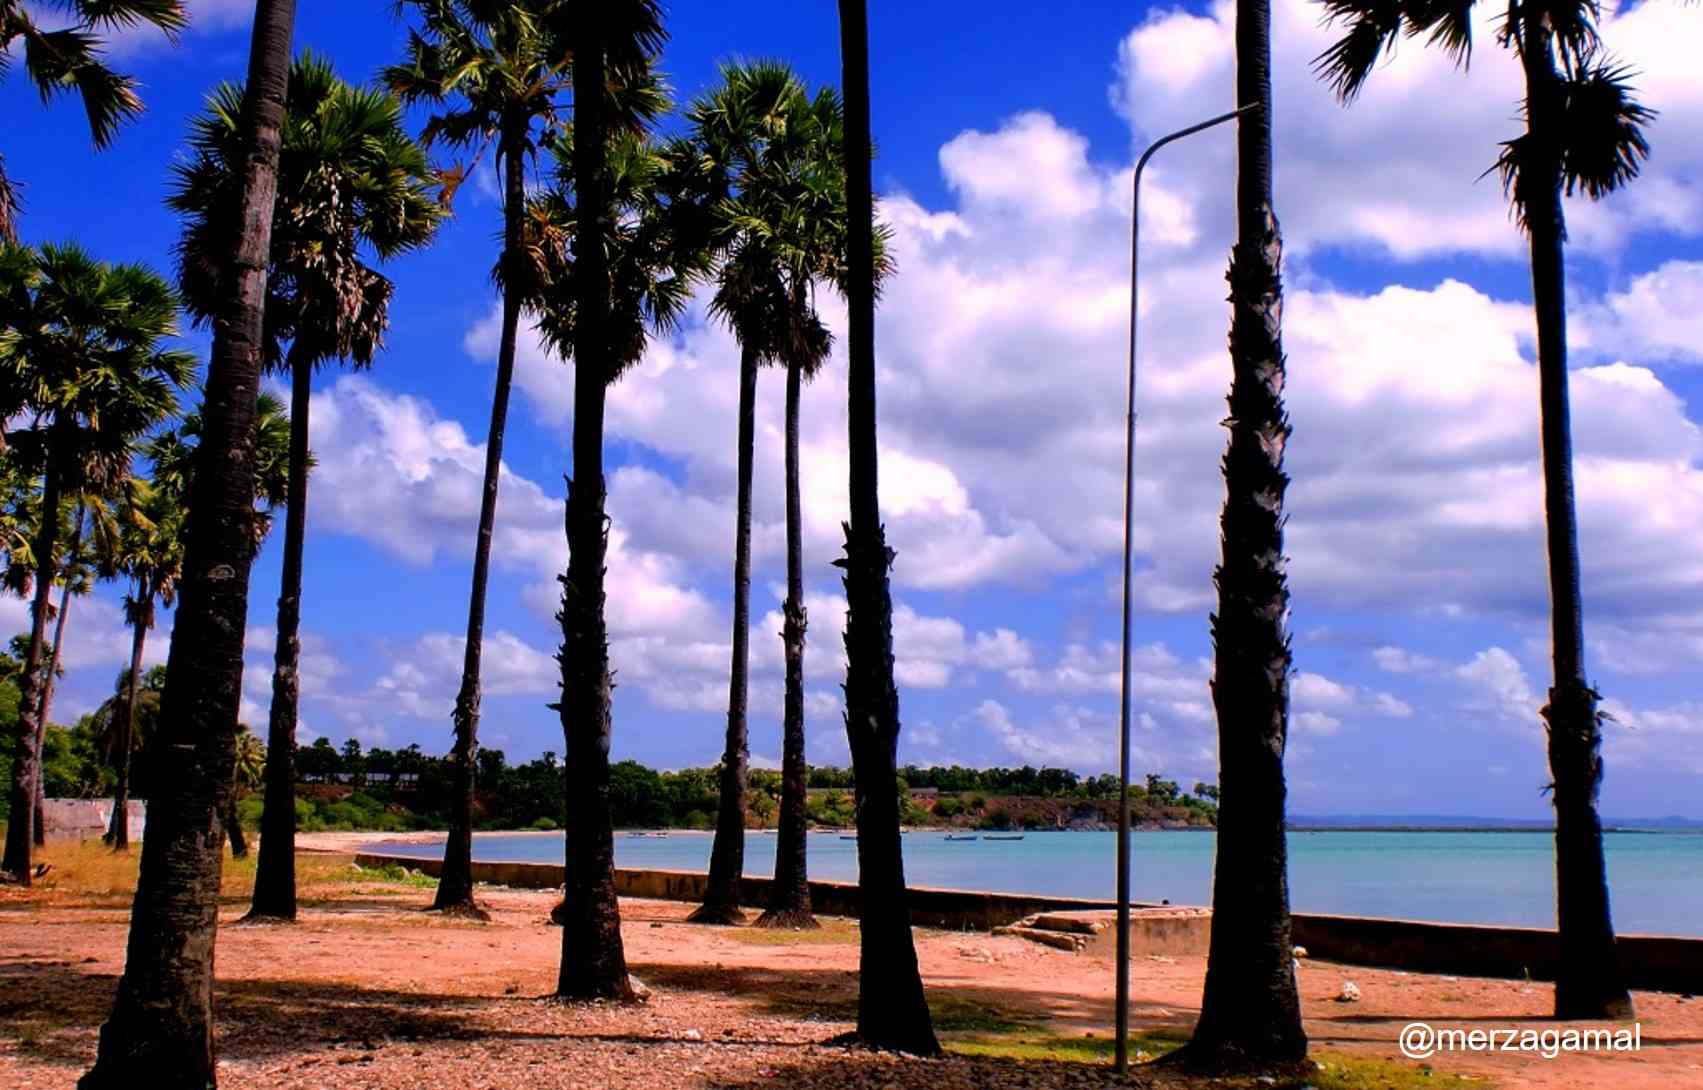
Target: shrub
(546, 825)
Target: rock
(639, 990)
(1350, 992)
(1300, 951)
(692, 1035)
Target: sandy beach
(370, 990)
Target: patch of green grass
(1087, 1049)
(833, 932)
(1342, 1072)
(392, 872)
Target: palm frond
(1598, 141)
(1372, 29)
(169, 15)
(1604, 144)
(9, 207)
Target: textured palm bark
(1588, 979)
(275, 870)
(47, 683)
(455, 887)
(1250, 1011)
(727, 854)
(162, 1018)
(892, 1012)
(789, 896)
(594, 962)
(118, 833)
(26, 760)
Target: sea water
(1500, 877)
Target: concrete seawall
(1651, 962)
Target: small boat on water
(1018, 836)
(949, 836)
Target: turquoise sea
(1499, 877)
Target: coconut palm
(83, 340)
(1584, 133)
(161, 1019)
(350, 179)
(891, 1010)
(69, 59)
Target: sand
(369, 990)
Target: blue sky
(1005, 149)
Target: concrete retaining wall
(951, 909)
(87, 819)
(1651, 962)
(1654, 962)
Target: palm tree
(83, 340)
(494, 70)
(1584, 133)
(151, 557)
(76, 577)
(161, 1019)
(611, 49)
(149, 550)
(350, 178)
(740, 127)
(891, 1009)
(69, 58)
(773, 158)
(814, 213)
(174, 454)
(1250, 1012)
(250, 775)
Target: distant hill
(1456, 821)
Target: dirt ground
(369, 990)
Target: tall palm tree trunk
(1250, 1012)
(891, 1009)
(162, 1018)
(47, 684)
(594, 962)
(455, 887)
(789, 897)
(727, 855)
(1588, 981)
(26, 762)
(118, 835)
(275, 869)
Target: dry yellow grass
(88, 874)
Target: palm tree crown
(349, 179)
(1598, 131)
(69, 59)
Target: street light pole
(1129, 530)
